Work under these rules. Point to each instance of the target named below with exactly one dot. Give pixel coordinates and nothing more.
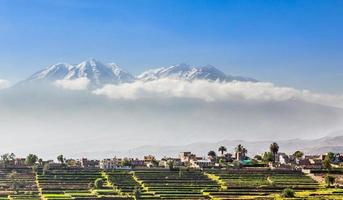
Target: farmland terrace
(26, 183)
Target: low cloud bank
(76, 84)
(4, 84)
(215, 91)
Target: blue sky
(290, 43)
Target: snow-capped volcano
(189, 73)
(96, 72)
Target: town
(218, 175)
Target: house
(73, 162)
(85, 163)
(53, 165)
(283, 158)
(201, 163)
(19, 162)
(137, 163)
(108, 164)
(337, 158)
(186, 156)
(316, 161)
(149, 158)
(164, 162)
(312, 163)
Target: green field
(75, 183)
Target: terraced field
(125, 184)
(19, 180)
(68, 184)
(259, 183)
(75, 184)
(174, 184)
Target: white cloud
(4, 84)
(215, 91)
(76, 84)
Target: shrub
(288, 193)
(329, 180)
(90, 185)
(98, 183)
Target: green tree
(31, 159)
(99, 183)
(274, 148)
(298, 154)
(222, 149)
(329, 180)
(170, 164)
(327, 163)
(61, 159)
(15, 184)
(244, 151)
(330, 156)
(126, 163)
(258, 157)
(222, 162)
(267, 157)
(212, 155)
(34, 168)
(239, 148)
(288, 193)
(40, 161)
(7, 158)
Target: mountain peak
(91, 62)
(187, 72)
(94, 70)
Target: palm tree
(239, 148)
(274, 148)
(222, 149)
(244, 151)
(61, 159)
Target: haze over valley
(95, 107)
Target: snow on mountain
(52, 73)
(189, 73)
(96, 72)
(99, 74)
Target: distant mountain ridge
(100, 74)
(190, 73)
(310, 147)
(96, 72)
